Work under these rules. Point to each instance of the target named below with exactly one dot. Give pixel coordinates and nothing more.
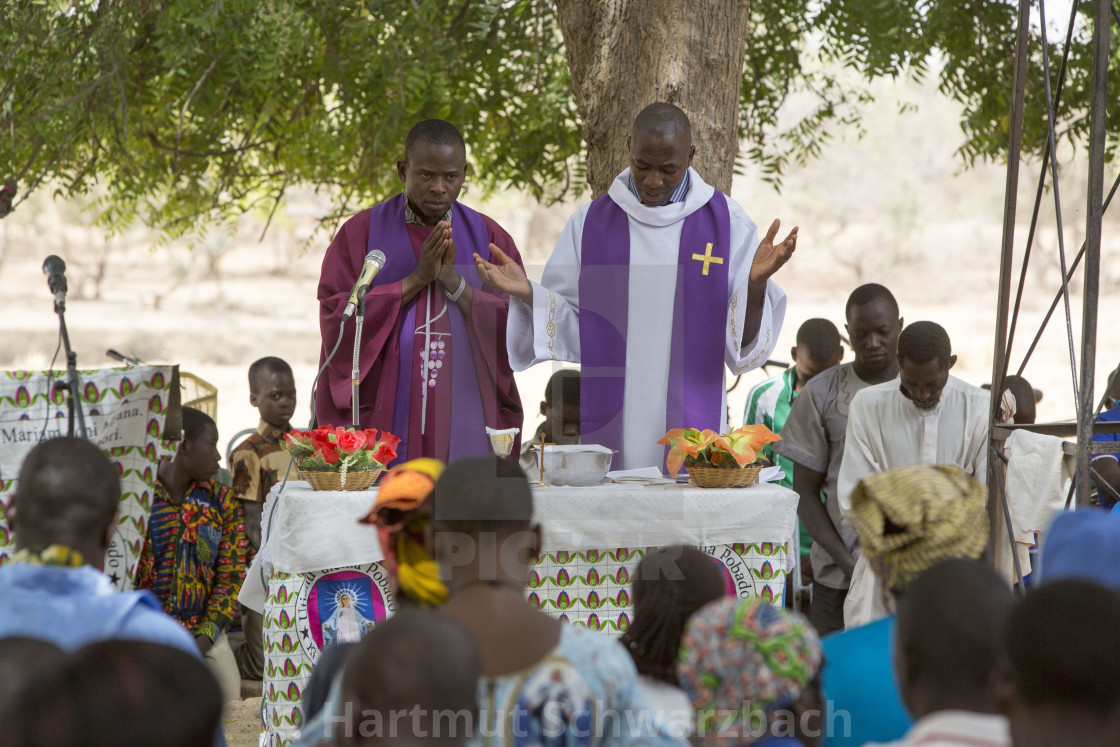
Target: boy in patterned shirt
(194, 552)
(258, 463)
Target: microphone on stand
(372, 265)
(55, 270)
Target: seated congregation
(958, 660)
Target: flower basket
(341, 458)
(714, 460)
(319, 480)
(707, 476)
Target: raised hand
(504, 274)
(770, 257)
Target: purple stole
(696, 380)
(388, 233)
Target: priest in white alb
(652, 288)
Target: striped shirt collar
(678, 194)
(412, 218)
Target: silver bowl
(576, 465)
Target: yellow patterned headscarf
(911, 518)
(402, 513)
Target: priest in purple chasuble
(433, 367)
(652, 288)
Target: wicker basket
(360, 480)
(707, 476)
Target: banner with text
(126, 410)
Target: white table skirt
(656, 515)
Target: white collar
(699, 192)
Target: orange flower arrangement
(736, 449)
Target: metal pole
(355, 370)
(1008, 252)
(1041, 188)
(1094, 213)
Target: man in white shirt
(949, 634)
(652, 288)
(927, 417)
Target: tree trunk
(625, 54)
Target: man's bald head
(662, 117)
(484, 492)
(661, 151)
(484, 523)
(67, 494)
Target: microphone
(374, 261)
(55, 270)
(130, 359)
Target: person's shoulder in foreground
(863, 701)
(50, 589)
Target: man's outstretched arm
(769, 258)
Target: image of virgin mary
(346, 624)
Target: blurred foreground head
(417, 662)
(120, 693)
(484, 528)
(751, 669)
(1061, 683)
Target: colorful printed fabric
(744, 659)
(583, 693)
(910, 518)
(60, 556)
(258, 463)
(194, 556)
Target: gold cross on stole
(707, 258)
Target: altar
(316, 558)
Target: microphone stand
(355, 375)
(73, 384)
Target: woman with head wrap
(909, 519)
(752, 671)
(670, 584)
(402, 514)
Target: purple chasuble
(696, 380)
(388, 232)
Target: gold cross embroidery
(707, 258)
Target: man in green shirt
(769, 401)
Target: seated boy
(194, 552)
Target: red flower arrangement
(342, 450)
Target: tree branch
(186, 105)
(93, 85)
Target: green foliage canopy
(191, 112)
